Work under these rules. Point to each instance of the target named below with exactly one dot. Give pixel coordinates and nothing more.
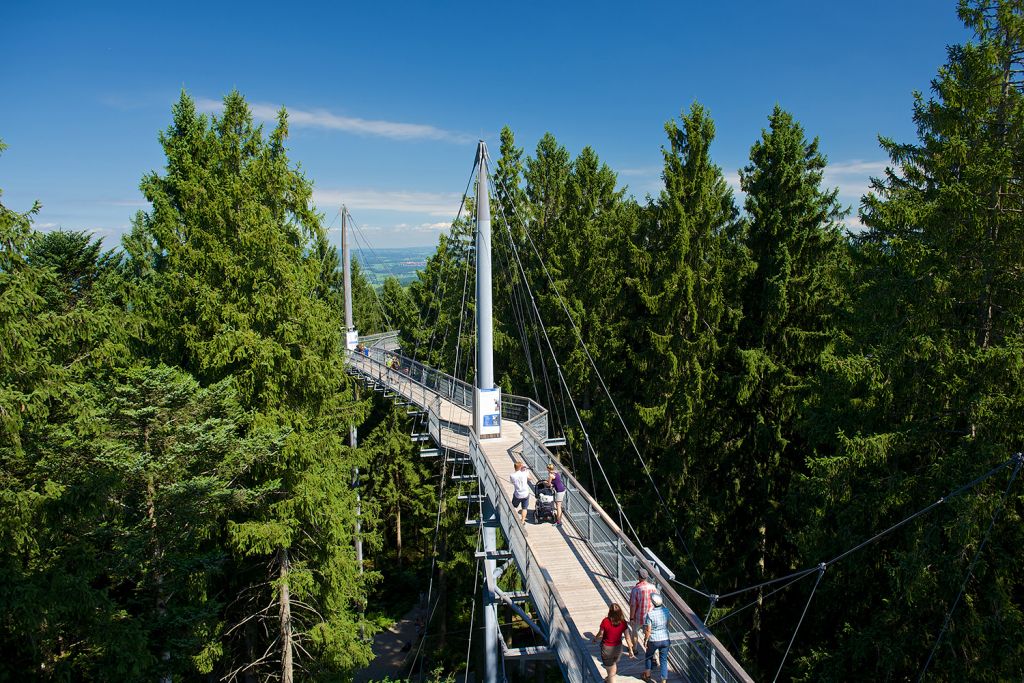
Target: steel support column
(490, 600)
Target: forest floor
(391, 656)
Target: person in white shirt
(520, 489)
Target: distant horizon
(402, 262)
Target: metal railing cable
(793, 577)
(1019, 459)
(821, 573)
(472, 614)
(622, 422)
(424, 318)
(572, 402)
(360, 237)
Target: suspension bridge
(570, 573)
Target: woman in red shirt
(614, 628)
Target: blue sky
(388, 99)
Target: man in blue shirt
(656, 635)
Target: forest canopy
(766, 388)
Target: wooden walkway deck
(581, 581)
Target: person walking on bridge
(656, 635)
(555, 479)
(640, 602)
(520, 479)
(613, 630)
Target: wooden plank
(575, 571)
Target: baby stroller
(545, 510)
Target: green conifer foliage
(61, 615)
(928, 395)
(77, 260)
(791, 303)
(675, 282)
(367, 314)
(230, 284)
(680, 314)
(396, 305)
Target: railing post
(490, 607)
(618, 560)
(590, 523)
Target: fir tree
(791, 303)
(230, 284)
(928, 394)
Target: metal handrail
(380, 338)
(697, 654)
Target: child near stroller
(545, 510)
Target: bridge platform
(572, 571)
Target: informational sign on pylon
(487, 413)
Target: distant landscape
(402, 262)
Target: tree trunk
(286, 619)
(762, 542)
(157, 552)
(398, 523)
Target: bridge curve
(572, 572)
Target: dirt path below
(392, 657)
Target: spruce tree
(62, 616)
(229, 284)
(682, 316)
(927, 395)
(397, 307)
(791, 304)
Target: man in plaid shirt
(639, 603)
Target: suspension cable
(1019, 458)
(797, 575)
(629, 436)
(561, 377)
(523, 290)
(433, 564)
(472, 612)
(821, 573)
(359, 236)
(462, 313)
(437, 283)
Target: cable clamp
(1018, 458)
(822, 567)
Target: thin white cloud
(321, 118)
(853, 178)
(857, 167)
(643, 172)
(733, 180)
(432, 227)
(439, 204)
